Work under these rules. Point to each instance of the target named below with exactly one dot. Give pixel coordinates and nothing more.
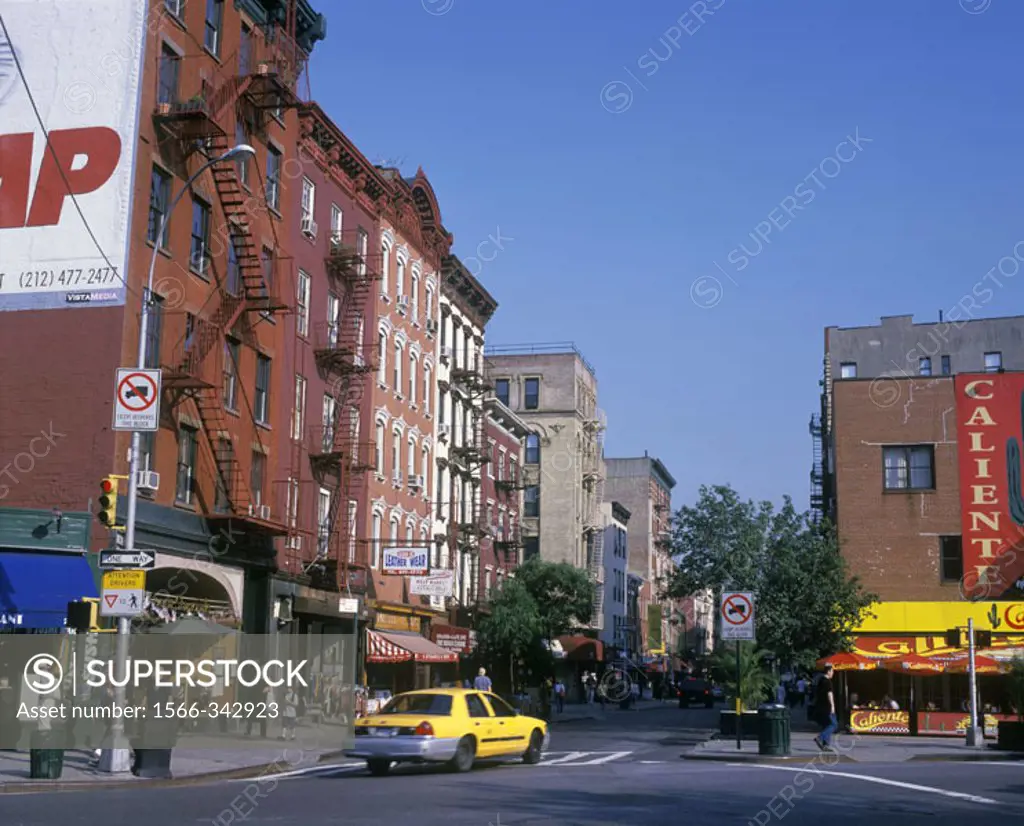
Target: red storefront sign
(452, 638)
(871, 721)
(989, 408)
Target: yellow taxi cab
(457, 726)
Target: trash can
(45, 762)
(773, 730)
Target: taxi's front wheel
(464, 755)
(533, 753)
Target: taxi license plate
(385, 732)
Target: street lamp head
(242, 150)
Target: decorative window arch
(387, 244)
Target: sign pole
(739, 700)
(974, 737)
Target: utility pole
(975, 735)
(117, 758)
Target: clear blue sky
(613, 216)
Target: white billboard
(407, 561)
(438, 584)
(70, 76)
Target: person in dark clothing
(825, 708)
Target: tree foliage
(545, 600)
(807, 603)
(756, 680)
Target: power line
(49, 146)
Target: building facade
(615, 631)
(554, 389)
(644, 486)
(214, 75)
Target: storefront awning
(35, 588)
(400, 647)
(582, 648)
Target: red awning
(394, 647)
(582, 648)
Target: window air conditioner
(431, 326)
(403, 304)
(264, 512)
(416, 481)
(309, 227)
(397, 480)
(149, 480)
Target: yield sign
(110, 599)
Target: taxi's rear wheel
(378, 768)
(533, 753)
(464, 755)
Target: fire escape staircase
(817, 469)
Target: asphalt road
(624, 770)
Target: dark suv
(695, 692)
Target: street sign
(124, 593)
(737, 615)
(143, 560)
(137, 399)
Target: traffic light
(107, 513)
(954, 638)
(983, 639)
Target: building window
(199, 257)
(333, 317)
(257, 473)
(909, 468)
(397, 369)
(411, 469)
(947, 368)
(302, 298)
(230, 378)
(412, 378)
(187, 449)
(267, 261)
(531, 501)
(414, 295)
(501, 466)
(363, 249)
(848, 370)
(375, 561)
(323, 522)
(154, 331)
(993, 362)
(147, 446)
(501, 388)
(396, 454)
(167, 77)
(328, 413)
(531, 547)
(214, 23)
(245, 52)
(273, 178)
(159, 197)
(531, 394)
(353, 515)
(292, 505)
(400, 279)
(385, 268)
(533, 449)
(428, 302)
(261, 402)
(299, 409)
(175, 7)
(382, 357)
(426, 388)
(308, 206)
(425, 468)
(234, 275)
(952, 558)
(379, 458)
(513, 475)
(924, 367)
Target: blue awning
(35, 588)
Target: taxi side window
(476, 706)
(501, 708)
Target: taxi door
(510, 731)
(481, 725)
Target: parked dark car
(696, 692)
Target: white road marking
(652, 762)
(306, 772)
(973, 798)
(573, 755)
(597, 761)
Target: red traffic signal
(106, 485)
(107, 513)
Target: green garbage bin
(45, 761)
(773, 731)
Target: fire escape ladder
(233, 495)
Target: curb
(37, 786)
(999, 757)
(759, 758)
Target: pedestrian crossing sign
(124, 593)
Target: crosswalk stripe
(573, 755)
(597, 761)
(306, 772)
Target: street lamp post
(117, 759)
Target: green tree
(542, 602)
(757, 683)
(807, 603)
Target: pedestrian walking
(290, 713)
(825, 709)
(801, 692)
(560, 695)
(482, 681)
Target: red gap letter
(102, 148)
(15, 173)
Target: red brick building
(214, 75)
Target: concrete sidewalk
(850, 748)
(585, 711)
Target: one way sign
(136, 560)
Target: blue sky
(610, 213)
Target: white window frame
(400, 276)
(378, 526)
(333, 318)
(428, 296)
(397, 368)
(381, 434)
(425, 467)
(337, 223)
(308, 207)
(382, 356)
(414, 296)
(385, 267)
(413, 361)
(396, 453)
(353, 515)
(299, 408)
(323, 515)
(411, 458)
(330, 410)
(426, 388)
(304, 294)
(396, 528)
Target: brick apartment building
(887, 469)
(213, 75)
